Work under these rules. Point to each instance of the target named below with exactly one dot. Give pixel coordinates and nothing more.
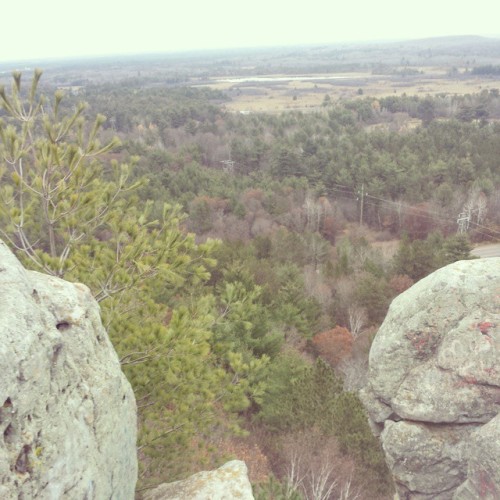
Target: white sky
(35, 29)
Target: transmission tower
(228, 166)
(463, 222)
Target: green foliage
(286, 162)
(321, 148)
(457, 247)
(419, 258)
(310, 394)
(415, 259)
(291, 306)
(308, 397)
(276, 409)
(71, 213)
(245, 322)
(206, 350)
(51, 181)
(282, 301)
(372, 293)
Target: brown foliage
(230, 228)
(333, 345)
(262, 226)
(313, 465)
(400, 282)
(214, 204)
(419, 221)
(250, 452)
(252, 200)
(254, 193)
(329, 228)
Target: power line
(422, 212)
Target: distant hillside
(466, 51)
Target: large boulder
(67, 413)
(433, 392)
(225, 483)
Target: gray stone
(67, 413)
(226, 483)
(483, 475)
(431, 394)
(434, 383)
(424, 458)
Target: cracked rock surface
(433, 392)
(67, 412)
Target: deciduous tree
(333, 345)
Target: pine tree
(70, 212)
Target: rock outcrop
(67, 413)
(434, 384)
(226, 483)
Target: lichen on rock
(433, 393)
(225, 483)
(67, 412)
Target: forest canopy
(243, 262)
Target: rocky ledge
(433, 393)
(67, 413)
(226, 483)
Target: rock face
(226, 483)
(434, 384)
(67, 413)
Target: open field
(276, 93)
(291, 78)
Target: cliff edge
(67, 412)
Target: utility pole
(361, 204)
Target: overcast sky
(36, 29)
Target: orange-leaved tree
(333, 345)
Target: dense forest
(243, 262)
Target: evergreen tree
(419, 258)
(312, 397)
(69, 212)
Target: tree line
(242, 296)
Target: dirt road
(485, 251)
